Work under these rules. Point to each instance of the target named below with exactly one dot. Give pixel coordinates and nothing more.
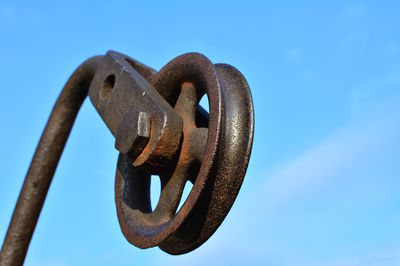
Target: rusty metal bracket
(160, 129)
(142, 121)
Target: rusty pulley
(160, 129)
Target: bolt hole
(108, 86)
(155, 191)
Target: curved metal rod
(44, 163)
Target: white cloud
(292, 55)
(259, 230)
(367, 95)
(388, 257)
(51, 262)
(8, 14)
(353, 13)
(11, 17)
(326, 163)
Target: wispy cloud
(389, 257)
(354, 13)
(8, 14)
(327, 162)
(266, 228)
(370, 94)
(12, 17)
(292, 55)
(51, 262)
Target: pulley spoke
(198, 143)
(186, 105)
(171, 192)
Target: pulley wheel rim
(224, 183)
(197, 69)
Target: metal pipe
(44, 164)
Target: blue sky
(324, 177)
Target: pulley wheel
(214, 153)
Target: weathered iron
(160, 129)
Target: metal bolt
(133, 133)
(143, 125)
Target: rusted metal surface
(160, 129)
(119, 103)
(44, 163)
(213, 156)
